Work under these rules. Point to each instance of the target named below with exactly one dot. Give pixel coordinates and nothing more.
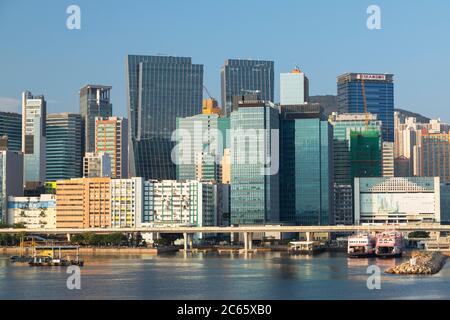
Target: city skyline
(70, 48)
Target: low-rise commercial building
(397, 200)
(83, 203)
(33, 212)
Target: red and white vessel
(389, 244)
(361, 245)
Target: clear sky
(324, 37)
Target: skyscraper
(294, 88)
(34, 133)
(306, 182)
(435, 156)
(343, 126)
(254, 190)
(64, 146)
(240, 77)
(11, 178)
(159, 89)
(111, 137)
(94, 102)
(379, 92)
(11, 126)
(201, 139)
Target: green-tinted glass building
(254, 136)
(343, 124)
(201, 140)
(64, 146)
(306, 168)
(11, 126)
(365, 153)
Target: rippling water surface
(212, 276)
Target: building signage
(378, 77)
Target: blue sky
(324, 37)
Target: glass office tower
(34, 133)
(306, 168)
(241, 77)
(201, 138)
(159, 89)
(94, 102)
(379, 92)
(11, 126)
(64, 146)
(254, 195)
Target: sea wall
(100, 250)
(420, 263)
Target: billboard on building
(411, 203)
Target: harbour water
(213, 276)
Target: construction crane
(207, 92)
(363, 92)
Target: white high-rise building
(294, 88)
(388, 159)
(34, 112)
(407, 139)
(172, 202)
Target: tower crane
(363, 92)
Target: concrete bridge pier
(309, 236)
(248, 241)
(191, 241)
(185, 237)
(188, 241)
(68, 237)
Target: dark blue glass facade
(159, 89)
(239, 77)
(64, 146)
(379, 91)
(11, 126)
(306, 191)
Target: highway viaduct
(247, 231)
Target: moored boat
(305, 247)
(389, 244)
(361, 245)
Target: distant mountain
(420, 118)
(329, 105)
